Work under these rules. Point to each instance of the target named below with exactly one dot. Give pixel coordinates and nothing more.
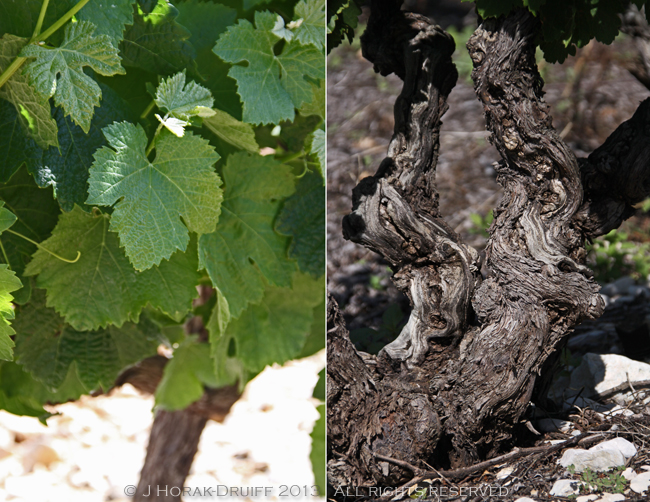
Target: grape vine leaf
(303, 219)
(318, 450)
(244, 250)
(271, 86)
(317, 146)
(110, 16)
(228, 369)
(310, 31)
(281, 30)
(37, 214)
(275, 330)
(21, 394)
(184, 376)
(207, 21)
(33, 108)
(58, 71)
(231, 130)
(47, 347)
(249, 4)
(66, 169)
(317, 104)
(8, 283)
(342, 19)
(181, 100)
(316, 338)
(13, 142)
(156, 42)
(102, 287)
(151, 197)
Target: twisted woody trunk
(451, 387)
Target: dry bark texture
(451, 387)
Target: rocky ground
(96, 447)
(590, 95)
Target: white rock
(565, 487)
(623, 445)
(505, 472)
(598, 373)
(629, 474)
(553, 425)
(586, 498)
(645, 467)
(6, 439)
(525, 499)
(641, 483)
(611, 497)
(600, 460)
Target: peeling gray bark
(451, 387)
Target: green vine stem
(11, 69)
(41, 17)
(64, 19)
(148, 109)
(153, 140)
(45, 249)
(4, 253)
(19, 61)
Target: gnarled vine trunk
(451, 387)
(175, 435)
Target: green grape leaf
(318, 450)
(33, 108)
(184, 376)
(205, 20)
(156, 42)
(21, 394)
(249, 4)
(228, 370)
(342, 19)
(47, 347)
(7, 218)
(316, 339)
(58, 71)
(102, 287)
(245, 249)
(303, 218)
(13, 142)
(66, 169)
(37, 214)
(271, 86)
(8, 283)
(110, 16)
(151, 197)
(317, 104)
(181, 100)
(232, 131)
(275, 330)
(281, 30)
(311, 30)
(317, 146)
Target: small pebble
(565, 487)
(640, 483)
